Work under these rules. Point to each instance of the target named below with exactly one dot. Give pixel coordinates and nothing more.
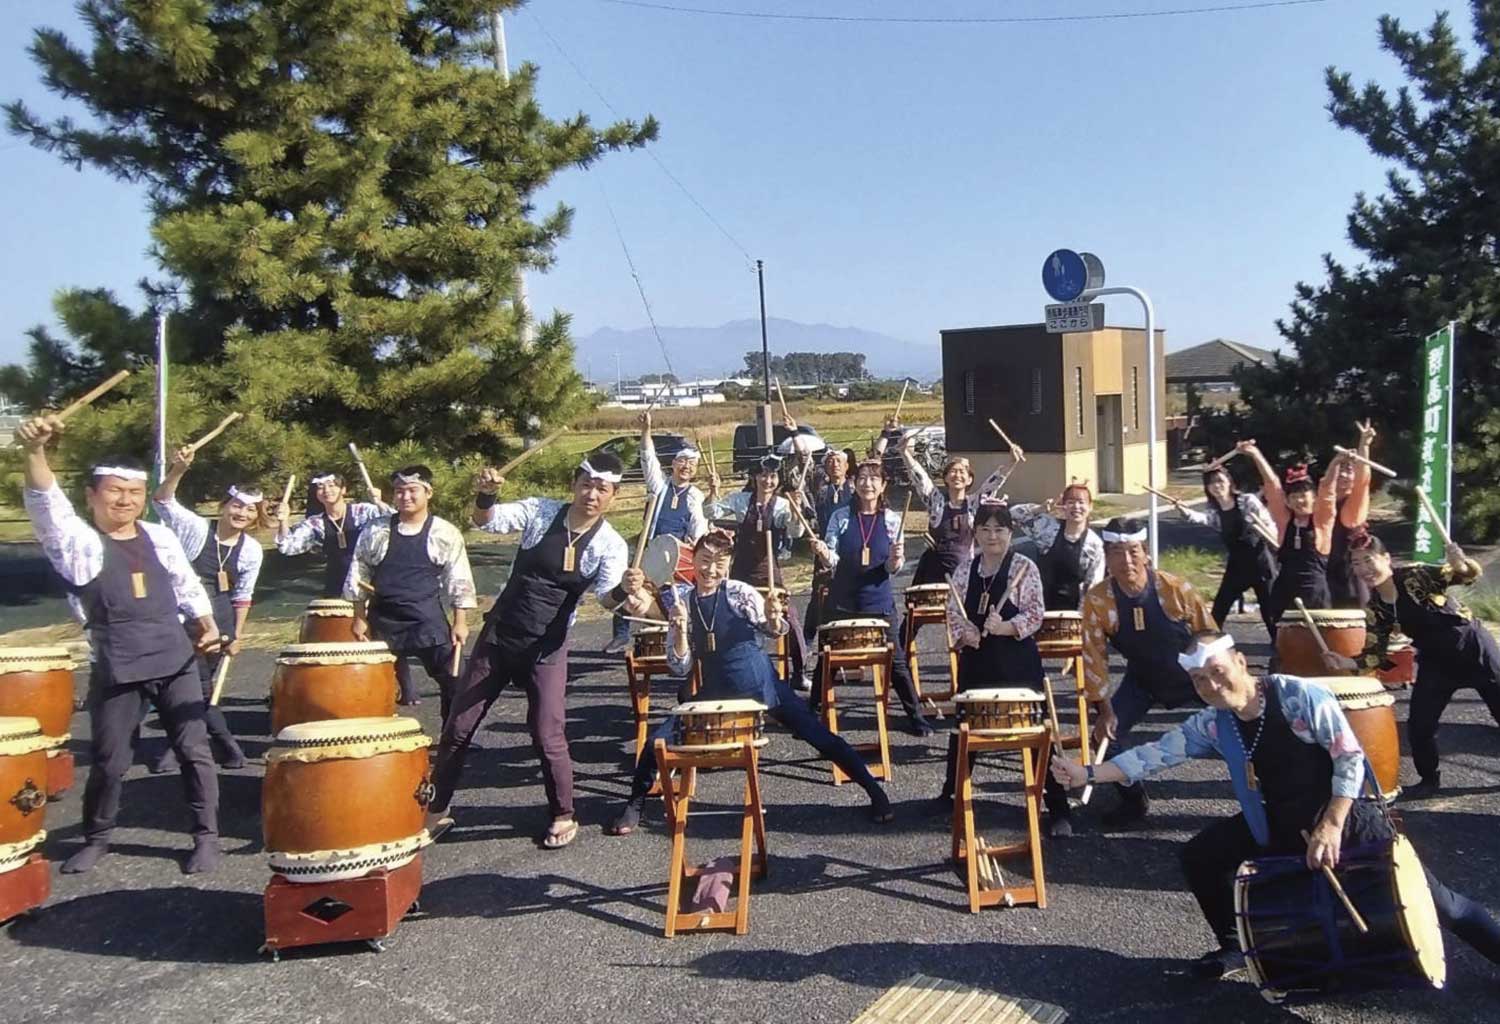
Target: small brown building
(1076, 403)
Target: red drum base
(25, 888)
(59, 774)
(365, 909)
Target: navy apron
(857, 587)
(134, 638)
(407, 610)
(337, 556)
(998, 660)
(529, 621)
(1062, 573)
(1345, 589)
(830, 500)
(735, 666)
(952, 540)
(1151, 653)
(672, 517)
(206, 565)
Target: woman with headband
(228, 569)
(1069, 554)
(1249, 536)
(950, 510)
(567, 550)
(405, 569)
(127, 582)
(334, 527)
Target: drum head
(1355, 692)
(341, 650)
(880, 624)
(651, 631)
(345, 730)
(1419, 918)
(1062, 616)
(331, 604)
(718, 707)
(1001, 694)
(35, 659)
(21, 736)
(1325, 618)
(927, 588)
(659, 561)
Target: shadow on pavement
(184, 924)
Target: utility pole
(522, 303)
(767, 434)
(161, 395)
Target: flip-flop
(556, 840)
(440, 828)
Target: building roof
(1213, 361)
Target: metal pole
(765, 347)
(1090, 295)
(161, 396)
(522, 302)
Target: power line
(635, 274)
(649, 152)
(981, 20)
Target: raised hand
(490, 481)
(37, 431)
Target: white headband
(326, 478)
(1199, 656)
(248, 497)
(599, 474)
(687, 453)
(1123, 538)
(402, 478)
(123, 472)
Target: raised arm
(1356, 508)
(921, 483)
(656, 479)
(1270, 485)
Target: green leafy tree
(342, 194)
(1429, 246)
(103, 336)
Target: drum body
(650, 643)
(328, 621)
(23, 784)
(1008, 709)
(1297, 650)
(1298, 938)
(342, 798)
(1061, 635)
(852, 634)
(1372, 715)
(718, 724)
(927, 597)
(1403, 671)
(316, 682)
(37, 682)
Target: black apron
(1151, 652)
(1249, 556)
(407, 610)
(338, 551)
(530, 618)
(859, 587)
(1295, 778)
(134, 638)
(1062, 573)
(1345, 589)
(952, 540)
(748, 564)
(1302, 570)
(206, 565)
(998, 660)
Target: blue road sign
(1064, 275)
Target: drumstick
(89, 398)
(902, 400)
(528, 453)
(1161, 494)
(640, 542)
(458, 654)
(1099, 751)
(771, 557)
(1432, 514)
(363, 471)
(1216, 463)
(645, 621)
(223, 426)
(286, 495)
(219, 677)
(1052, 716)
(901, 530)
(1008, 442)
(782, 399)
(1307, 618)
(1357, 457)
(1338, 890)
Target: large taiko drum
(1061, 635)
(328, 621)
(37, 682)
(1371, 711)
(853, 635)
(316, 682)
(1297, 650)
(1298, 938)
(928, 598)
(718, 724)
(23, 795)
(343, 798)
(1002, 709)
(1403, 657)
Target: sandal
(560, 834)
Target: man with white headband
(1147, 616)
(128, 582)
(1297, 769)
(567, 549)
(228, 569)
(679, 513)
(333, 523)
(405, 569)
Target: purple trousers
(546, 684)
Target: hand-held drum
(1009, 709)
(650, 643)
(1298, 938)
(328, 621)
(852, 635)
(23, 796)
(1371, 711)
(1061, 635)
(315, 682)
(1403, 670)
(1342, 629)
(343, 798)
(718, 724)
(927, 597)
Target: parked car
(628, 450)
(747, 447)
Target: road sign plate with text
(1073, 317)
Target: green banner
(1435, 475)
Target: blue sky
(898, 177)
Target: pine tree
(1430, 256)
(342, 192)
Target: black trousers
(1054, 796)
(436, 661)
(1473, 663)
(901, 682)
(114, 716)
(1241, 574)
(162, 758)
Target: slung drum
(328, 621)
(315, 682)
(718, 724)
(1003, 709)
(1371, 711)
(342, 798)
(23, 796)
(1297, 650)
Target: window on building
(1135, 397)
(1036, 391)
(1078, 397)
(969, 392)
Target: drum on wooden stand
(343, 798)
(37, 682)
(1061, 635)
(316, 682)
(931, 598)
(650, 643)
(328, 621)
(853, 635)
(23, 795)
(1006, 709)
(1298, 938)
(1371, 711)
(718, 724)
(1297, 650)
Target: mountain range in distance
(706, 352)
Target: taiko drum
(23, 781)
(316, 682)
(1297, 650)
(1371, 712)
(328, 621)
(1007, 709)
(1061, 635)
